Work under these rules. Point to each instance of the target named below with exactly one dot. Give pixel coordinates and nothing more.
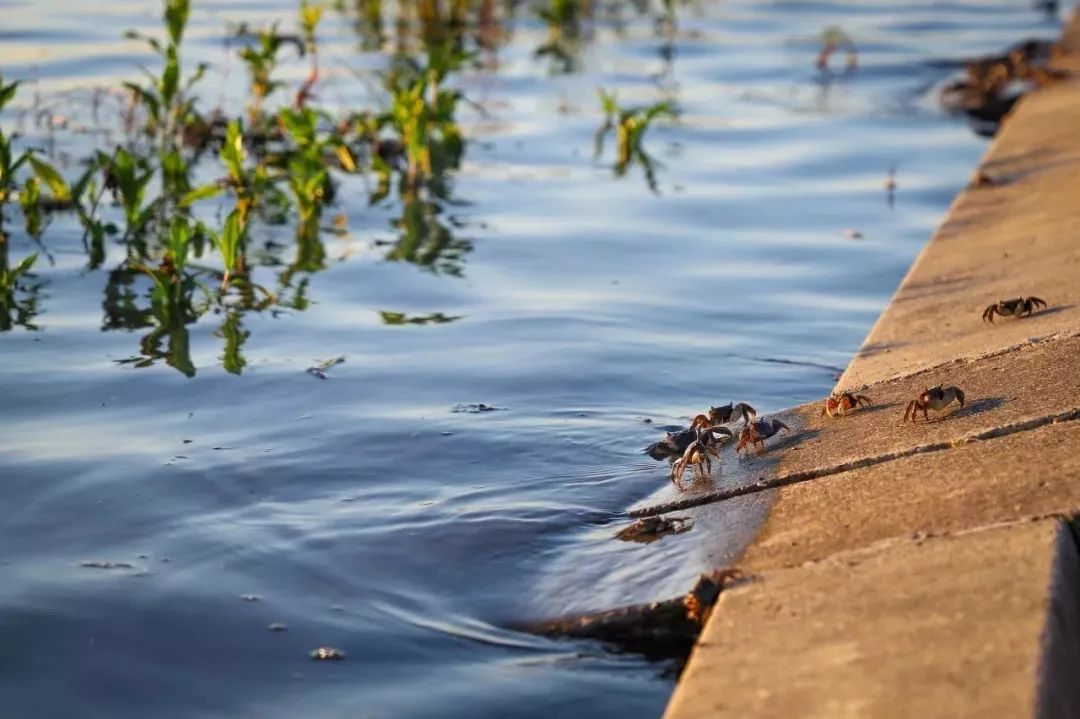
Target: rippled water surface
(361, 511)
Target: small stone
(327, 654)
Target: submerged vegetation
(192, 211)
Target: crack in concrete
(966, 359)
(807, 475)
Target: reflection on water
(387, 510)
(424, 240)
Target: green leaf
(7, 92)
(170, 77)
(48, 174)
(23, 267)
(152, 42)
(199, 193)
(176, 18)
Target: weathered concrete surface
(946, 627)
(1019, 387)
(1015, 238)
(1028, 474)
(921, 570)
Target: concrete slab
(1017, 237)
(1004, 391)
(946, 627)
(1029, 474)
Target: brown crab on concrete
(755, 433)
(840, 403)
(674, 444)
(935, 398)
(731, 413)
(1017, 307)
(700, 452)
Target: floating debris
(106, 565)
(327, 654)
(475, 408)
(251, 597)
(659, 630)
(277, 627)
(853, 234)
(650, 529)
(319, 370)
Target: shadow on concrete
(983, 404)
(878, 347)
(920, 290)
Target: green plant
(630, 126)
(12, 281)
(129, 175)
(307, 164)
(165, 99)
(9, 161)
(231, 246)
(10, 276)
(423, 114)
(261, 61)
(310, 15)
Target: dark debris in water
(319, 370)
(475, 408)
(277, 627)
(106, 565)
(650, 529)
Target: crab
(1018, 307)
(732, 413)
(674, 444)
(935, 398)
(755, 433)
(839, 404)
(700, 452)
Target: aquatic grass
(274, 165)
(261, 61)
(630, 126)
(168, 103)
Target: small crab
(755, 433)
(935, 398)
(700, 453)
(839, 404)
(696, 454)
(1018, 307)
(674, 444)
(732, 413)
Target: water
(361, 510)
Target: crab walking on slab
(700, 452)
(755, 433)
(1018, 307)
(935, 398)
(838, 405)
(732, 413)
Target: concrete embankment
(928, 570)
